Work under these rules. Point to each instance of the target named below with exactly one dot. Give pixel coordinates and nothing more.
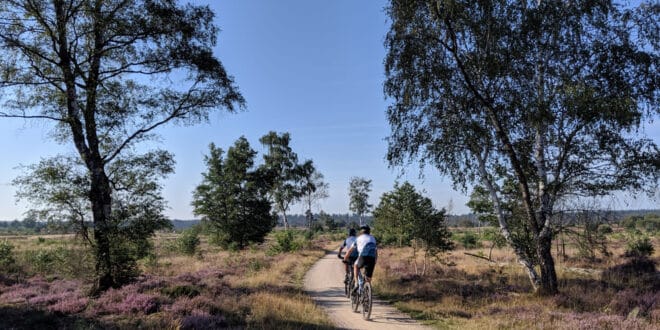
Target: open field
(257, 288)
(467, 292)
(214, 288)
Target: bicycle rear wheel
(366, 301)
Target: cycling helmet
(351, 232)
(366, 229)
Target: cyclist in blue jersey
(365, 245)
(348, 242)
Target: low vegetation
(481, 286)
(209, 288)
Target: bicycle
(349, 281)
(363, 297)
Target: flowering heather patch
(47, 299)
(627, 300)
(598, 321)
(21, 293)
(202, 320)
(185, 306)
(69, 306)
(126, 301)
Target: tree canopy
(549, 95)
(358, 192)
(232, 197)
(107, 74)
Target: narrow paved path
(324, 283)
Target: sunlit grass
(214, 288)
(461, 291)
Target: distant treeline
(337, 220)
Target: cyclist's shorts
(351, 260)
(368, 263)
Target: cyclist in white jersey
(365, 245)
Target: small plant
(469, 240)
(605, 230)
(188, 242)
(189, 291)
(639, 248)
(7, 261)
(285, 242)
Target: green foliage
(232, 197)
(639, 247)
(499, 92)
(650, 223)
(188, 242)
(178, 291)
(605, 230)
(328, 221)
(94, 79)
(404, 214)
(287, 241)
(495, 236)
(313, 188)
(283, 171)
(468, 239)
(7, 260)
(358, 192)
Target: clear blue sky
(311, 68)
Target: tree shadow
(23, 317)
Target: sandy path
(324, 283)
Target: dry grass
(465, 292)
(215, 288)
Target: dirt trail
(324, 283)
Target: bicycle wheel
(366, 301)
(348, 287)
(355, 300)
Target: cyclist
(348, 242)
(365, 245)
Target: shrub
(639, 248)
(42, 261)
(285, 242)
(188, 242)
(469, 240)
(605, 230)
(7, 261)
(189, 291)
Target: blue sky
(311, 68)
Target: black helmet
(351, 232)
(366, 229)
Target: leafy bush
(7, 261)
(605, 230)
(188, 242)
(469, 240)
(285, 241)
(639, 248)
(43, 261)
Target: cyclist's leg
(359, 263)
(369, 265)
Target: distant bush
(639, 248)
(189, 291)
(469, 240)
(188, 242)
(7, 261)
(285, 241)
(605, 230)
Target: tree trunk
(101, 200)
(548, 283)
(285, 220)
